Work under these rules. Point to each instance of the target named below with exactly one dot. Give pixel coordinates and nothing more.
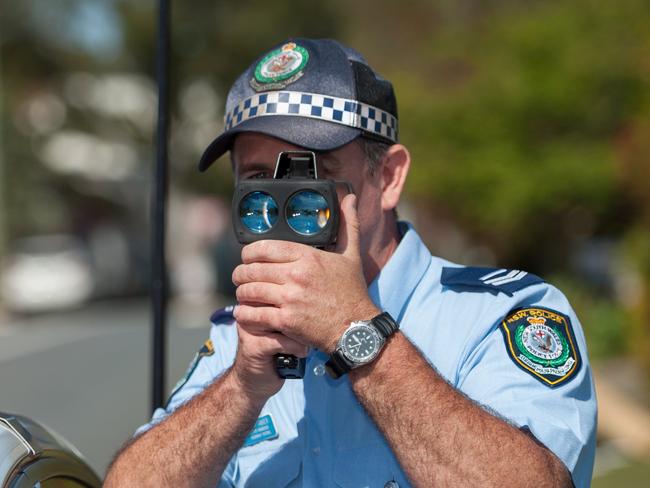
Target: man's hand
(254, 367)
(302, 292)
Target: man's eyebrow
(329, 161)
(254, 167)
(257, 165)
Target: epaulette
(222, 315)
(493, 280)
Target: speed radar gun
(292, 206)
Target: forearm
(192, 447)
(440, 437)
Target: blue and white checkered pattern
(323, 107)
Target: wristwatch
(360, 344)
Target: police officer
(420, 372)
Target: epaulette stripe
(514, 275)
(491, 280)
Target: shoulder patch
(207, 349)
(491, 280)
(541, 342)
(222, 315)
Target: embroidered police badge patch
(280, 67)
(541, 342)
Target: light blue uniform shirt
(325, 438)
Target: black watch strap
(337, 365)
(385, 324)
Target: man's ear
(394, 168)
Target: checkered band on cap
(323, 107)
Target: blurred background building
(529, 124)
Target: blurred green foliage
(636, 474)
(605, 323)
(636, 252)
(513, 113)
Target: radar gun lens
(258, 212)
(307, 212)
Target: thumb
(348, 239)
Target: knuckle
(261, 320)
(282, 318)
(289, 294)
(240, 293)
(248, 315)
(245, 253)
(249, 251)
(253, 272)
(297, 274)
(240, 314)
(307, 256)
(304, 250)
(247, 292)
(255, 290)
(237, 275)
(264, 247)
(314, 263)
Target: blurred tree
(633, 147)
(70, 65)
(512, 110)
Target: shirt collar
(393, 286)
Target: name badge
(263, 430)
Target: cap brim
(311, 134)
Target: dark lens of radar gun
(258, 211)
(307, 212)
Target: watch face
(361, 343)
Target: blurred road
(86, 373)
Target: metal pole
(4, 200)
(159, 283)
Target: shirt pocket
(263, 466)
(371, 466)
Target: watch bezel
(354, 327)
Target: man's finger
(259, 292)
(348, 239)
(274, 343)
(287, 345)
(268, 251)
(259, 318)
(263, 272)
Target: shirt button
(316, 451)
(391, 484)
(319, 370)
